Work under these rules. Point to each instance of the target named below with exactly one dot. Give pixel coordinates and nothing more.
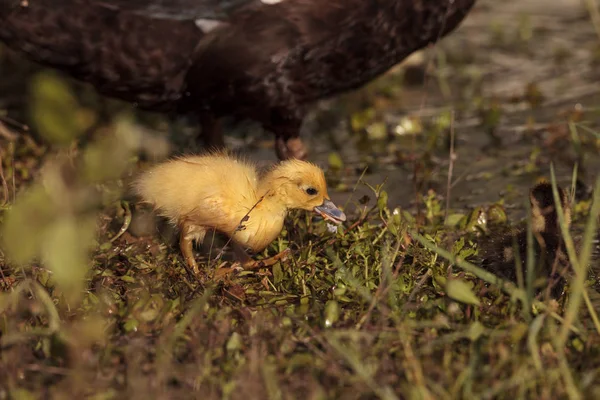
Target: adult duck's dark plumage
(264, 60)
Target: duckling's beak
(330, 212)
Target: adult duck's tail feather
(124, 55)
(7, 5)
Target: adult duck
(265, 60)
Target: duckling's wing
(226, 203)
(214, 191)
(177, 9)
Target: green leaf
(65, 249)
(23, 229)
(277, 273)
(55, 112)
(377, 131)
(476, 330)
(234, 343)
(131, 325)
(332, 313)
(22, 394)
(453, 219)
(127, 278)
(461, 291)
(360, 120)
(335, 161)
(382, 200)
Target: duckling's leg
(188, 234)
(248, 262)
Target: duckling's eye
(311, 191)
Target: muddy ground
(374, 310)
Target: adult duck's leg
(188, 234)
(212, 132)
(286, 126)
(292, 147)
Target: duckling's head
(301, 185)
(543, 208)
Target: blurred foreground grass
(387, 307)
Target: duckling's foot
(223, 273)
(290, 148)
(266, 262)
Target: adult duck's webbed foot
(290, 148)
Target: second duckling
(551, 261)
(224, 193)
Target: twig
(415, 371)
(7, 133)
(592, 7)
(418, 286)
(452, 158)
(6, 281)
(5, 197)
(240, 227)
(12, 168)
(126, 221)
(364, 171)
(48, 369)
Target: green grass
(392, 305)
(386, 307)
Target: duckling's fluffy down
(225, 186)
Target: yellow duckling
(223, 193)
